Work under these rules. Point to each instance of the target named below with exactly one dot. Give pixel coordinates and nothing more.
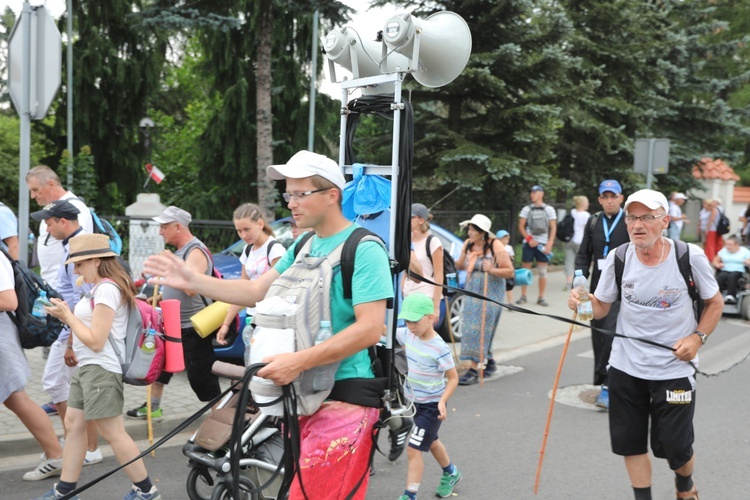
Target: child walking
(429, 361)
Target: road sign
(44, 59)
(659, 156)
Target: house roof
(708, 168)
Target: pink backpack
(138, 366)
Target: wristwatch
(702, 335)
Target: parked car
(228, 263)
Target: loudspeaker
(362, 57)
(438, 47)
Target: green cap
(415, 306)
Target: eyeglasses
(298, 196)
(630, 219)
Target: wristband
(528, 238)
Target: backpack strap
(209, 257)
(427, 248)
(271, 243)
(620, 253)
(302, 241)
(593, 220)
(348, 254)
(682, 252)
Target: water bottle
(324, 333)
(38, 310)
(149, 344)
(450, 280)
(585, 308)
(324, 377)
(247, 337)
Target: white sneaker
(93, 457)
(45, 469)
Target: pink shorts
(334, 452)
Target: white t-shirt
(511, 251)
(580, 218)
(109, 294)
(50, 251)
(420, 250)
(542, 239)
(655, 306)
(675, 212)
(256, 263)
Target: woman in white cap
(487, 265)
(96, 390)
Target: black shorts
(670, 405)
(426, 426)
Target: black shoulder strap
(271, 243)
(209, 257)
(427, 247)
(620, 253)
(682, 253)
(302, 242)
(246, 251)
(347, 257)
(593, 220)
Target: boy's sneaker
(603, 400)
(93, 457)
(522, 300)
(491, 367)
(47, 468)
(50, 409)
(399, 437)
(54, 495)
(140, 412)
(448, 482)
(136, 493)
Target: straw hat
(89, 246)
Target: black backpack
(449, 265)
(565, 228)
(271, 243)
(32, 331)
(723, 225)
(683, 262)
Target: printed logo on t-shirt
(680, 397)
(663, 300)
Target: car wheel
(455, 308)
(745, 307)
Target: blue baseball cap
(536, 187)
(502, 233)
(610, 185)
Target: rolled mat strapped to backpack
(524, 277)
(172, 336)
(209, 319)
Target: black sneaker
(399, 437)
(491, 367)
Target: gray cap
(419, 210)
(174, 214)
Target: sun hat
(306, 164)
(419, 210)
(481, 221)
(89, 246)
(415, 306)
(610, 185)
(652, 199)
(502, 233)
(58, 208)
(174, 214)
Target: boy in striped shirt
(430, 362)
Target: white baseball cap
(652, 199)
(680, 196)
(481, 221)
(306, 164)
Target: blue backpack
(102, 226)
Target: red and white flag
(154, 173)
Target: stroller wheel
(224, 492)
(201, 482)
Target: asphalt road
(494, 435)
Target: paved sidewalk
(517, 334)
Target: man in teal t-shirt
(335, 442)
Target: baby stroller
(208, 450)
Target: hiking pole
(552, 404)
(149, 422)
(481, 335)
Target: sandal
(693, 494)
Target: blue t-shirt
(734, 262)
(371, 282)
(428, 361)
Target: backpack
(449, 265)
(139, 367)
(722, 227)
(566, 228)
(102, 226)
(537, 222)
(683, 262)
(307, 282)
(32, 331)
(271, 243)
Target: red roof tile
(709, 168)
(741, 195)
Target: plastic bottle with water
(324, 379)
(585, 308)
(247, 337)
(38, 310)
(149, 344)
